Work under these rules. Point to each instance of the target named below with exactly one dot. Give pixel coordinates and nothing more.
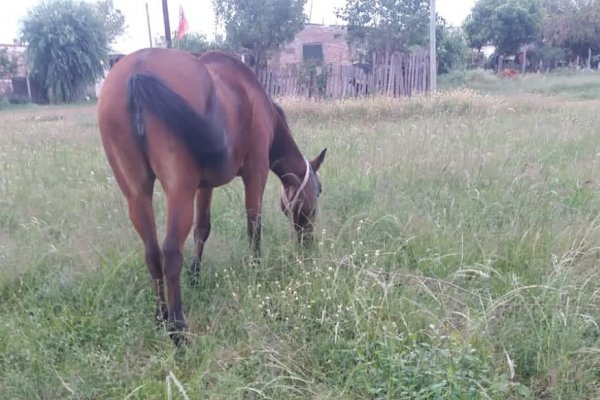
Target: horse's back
(217, 86)
(179, 70)
(249, 110)
(158, 152)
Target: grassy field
(456, 257)
(582, 85)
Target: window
(312, 52)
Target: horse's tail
(147, 92)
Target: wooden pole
(167, 25)
(28, 88)
(432, 48)
(148, 22)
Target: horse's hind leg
(180, 213)
(201, 230)
(136, 180)
(141, 214)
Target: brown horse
(195, 124)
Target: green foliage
(551, 56)
(260, 25)
(197, 43)
(114, 20)
(452, 48)
(194, 42)
(8, 66)
(315, 75)
(386, 25)
(573, 25)
(506, 24)
(67, 43)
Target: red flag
(183, 24)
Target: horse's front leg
(201, 230)
(254, 187)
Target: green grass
(578, 85)
(456, 258)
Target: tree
(573, 25)
(506, 24)
(386, 25)
(452, 47)
(197, 43)
(114, 20)
(67, 42)
(194, 42)
(260, 25)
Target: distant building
(320, 43)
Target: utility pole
(432, 47)
(167, 25)
(148, 22)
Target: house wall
(336, 50)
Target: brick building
(321, 43)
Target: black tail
(147, 92)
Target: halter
(289, 204)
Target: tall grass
(580, 85)
(456, 258)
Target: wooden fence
(395, 76)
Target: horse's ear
(316, 163)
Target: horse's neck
(286, 159)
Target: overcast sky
(199, 14)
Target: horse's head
(299, 202)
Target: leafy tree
(386, 25)
(114, 20)
(67, 42)
(260, 25)
(452, 48)
(573, 25)
(551, 57)
(506, 24)
(194, 42)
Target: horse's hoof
(161, 315)
(195, 272)
(176, 333)
(253, 261)
(178, 338)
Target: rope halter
(289, 204)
